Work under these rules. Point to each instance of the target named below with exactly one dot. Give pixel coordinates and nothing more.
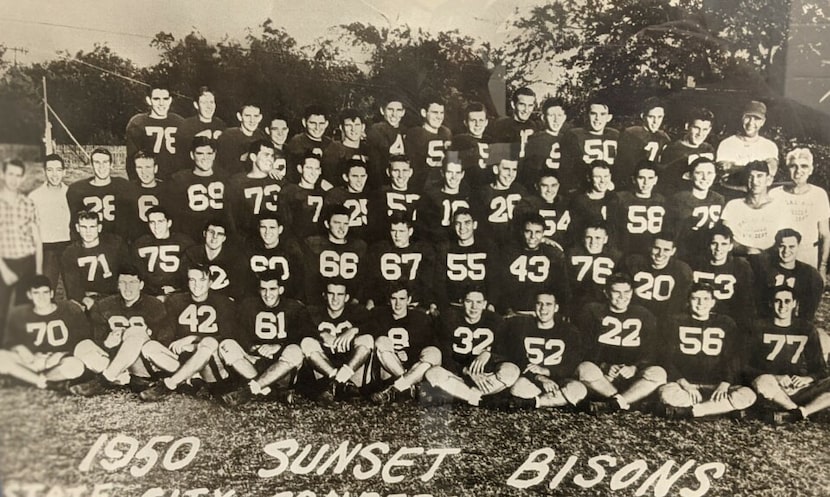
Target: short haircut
(129, 270)
(524, 90)
(475, 288)
(597, 101)
(702, 286)
(157, 85)
(389, 98)
(463, 211)
(799, 153)
(552, 102)
(267, 215)
(720, 229)
(14, 162)
(664, 235)
(781, 288)
(337, 281)
(278, 116)
(533, 218)
(157, 209)
(39, 281)
(336, 210)
(247, 104)
(203, 90)
(474, 107)
(618, 278)
(350, 163)
(396, 286)
(651, 103)
(430, 99)
(314, 110)
(399, 159)
(88, 215)
(216, 222)
(257, 145)
(101, 151)
(202, 141)
(547, 173)
(787, 233)
(202, 268)
(398, 217)
(646, 165)
(700, 161)
(700, 114)
(269, 275)
(54, 158)
(141, 154)
(350, 114)
(596, 224)
(601, 164)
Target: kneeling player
(403, 344)
(622, 349)
(703, 360)
(339, 350)
(471, 370)
(548, 349)
(41, 336)
(267, 351)
(125, 327)
(786, 362)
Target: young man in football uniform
(384, 140)
(692, 211)
(518, 127)
(354, 197)
(233, 145)
(543, 151)
(205, 123)
(642, 142)
(398, 196)
(786, 365)
(592, 205)
(436, 207)
(426, 145)
(159, 255)
(341, 346)
(474, 146)
(277, 131)
(277, 251)
(737, 151)
(495, 203)
(151, 191)
(53, 215)
(404, 344)
(335, 255)
(266, 351)
(808, 210)
(470, 368)
(91, 264)
(228, 271)
(547, 202)
(128, 331)
(636, 215)
(755, 218)
(678, 156)
(247, 195)
(590, 262)
(582, 146)
(313, 138)
(703, 357)
(114, 199)
(200, 320)
(547, 349)
(350, 146)
(303, 202)
(41, 337)
(621, 349)
(155, 132)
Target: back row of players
(494, 235)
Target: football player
(303, 201)
(692, 211)
(53, 215)
(548, 203)
(228, 271)
(114, 199)
(590, 262)
(495, 203)
(277, 131)
(341, 347)
(592, 206)
(403, 345)
(233, 145)
(543, 149)
(518, 127)
(154, 132)
(473, 146)
(205, 123)
(266, 352)
(786, 366)
(128, 331)
(426, 145)
(678, 156)
(151, 191)
(808, 210)
(436, 207)
(703, 357)
(737, 151)
(621, 348)
(756, 218)
(276, 251)
(350, 146)
(384, 140)
(313, 138)
(41, 337)
(200, 319)
(637, 215)
(247, 195)
(91, 264)
(159, 255)
(396, 196)
(547, 349)
(583, 146)
(354, 197)
(470, 369)
(642, 142)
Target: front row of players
(612, 357)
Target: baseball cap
(756, 108)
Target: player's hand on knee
(721, 393)
(627, 372)
(548, 385)
(800, 381)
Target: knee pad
(655, 374)
(208, 343)
(383, 344)
(230, 351)
(574, 391)
(742, 398)
(508, 373)
(431, 355)
(292, 355)
(310, 346)
(93, 356)
(588, 372)
(364, 341)
(71, 367)
(766, 385)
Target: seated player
(159, 255)
(335, 255)
(528, 267)
(340, 348)
(703, 357)
(396, 196)
(251, 193)
(621, 347)
(91, 264)
(303, 202)
(128, 330)
(200, 320)
(678, 156)
(786, 366)
(266, 351)
(692, 211)
(548, 203)
(495, 203)
(401, 259)
(589, 264)
(273, 251)
(354, 197)
(228, 271)
(404, 345)
(543, 151)
(470, 369)
(547, 349)
(635, 216)
(642, 142)
(437, 206)
(426, 144)
(41, 337)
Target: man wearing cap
(736, 151)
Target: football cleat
(62, 386)
(348, 391)
(385, 396)
(329, 393)
(603, 407)
(91, 388)
(155, 393)
(286, 396)
(139, 384)
(786, 417)
(674, 412)
(238, 397)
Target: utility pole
(17, 50)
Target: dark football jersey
(588, 274)
(193, 200)
(619, 337)
(115, 203)
(426, 151)
(508, 130)
(584, 211)
(703, 352)
(557, 215)
(804, 279)
(246, 198)
(148, 197)
(581, 147)
(382, 142)
(228, 270)
(523, 273)
(637, 144)
(94, 269)
(112, 315)
(689, 217)
(215, 317)
(495, 208)
(303, 207)
(633, 221)
(785, 350)
(734, 285)
(232, 151)
(58, 331)
(414, 264)
(474, 153)
(353, 316)
(159, 262)
(461, 341)
(189, 129)
(458, 267)
(384, 202)
(662, 291)
(287, 259)
(155, 136)
(544, 151)
(675, 161)
(558, 349)
(358, 205)
(298, 146)
(286, 323)
(335, 156)
(435, 209)
(409, 334)
(325, 260)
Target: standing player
(547, 349)
(341, 348)
(204, 123)
(303, 202)
(786, 366)
(232, 146)
(621, 348)
(354, 197)
(403, 345)
(397, 196)
(114, 199)
(41, 337)
(159, 255)
(495, 203)
(154, 132)
(247, 195)
(661, 281)
(590, 262)
(151, 191)
(738, 151)
(278, 252)
(637, 215)
(426, 145)
(277, 131)
(520, 126)
(592, 206)
(583, 146)
(228, 271)
(313, 138)
(543, 149)
(54, 216)
(470, 369)
(703, 357)
(351, 146)
(266, 352)
(808, 210)
(692, 211)
(678, 156)
(91, 265)
(436, 207)
(548, 203)
(473, 146)
(643, 142)
(384, 140)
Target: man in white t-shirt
(736, 151)
(756, 218)
(53, 212)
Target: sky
(44, 27)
